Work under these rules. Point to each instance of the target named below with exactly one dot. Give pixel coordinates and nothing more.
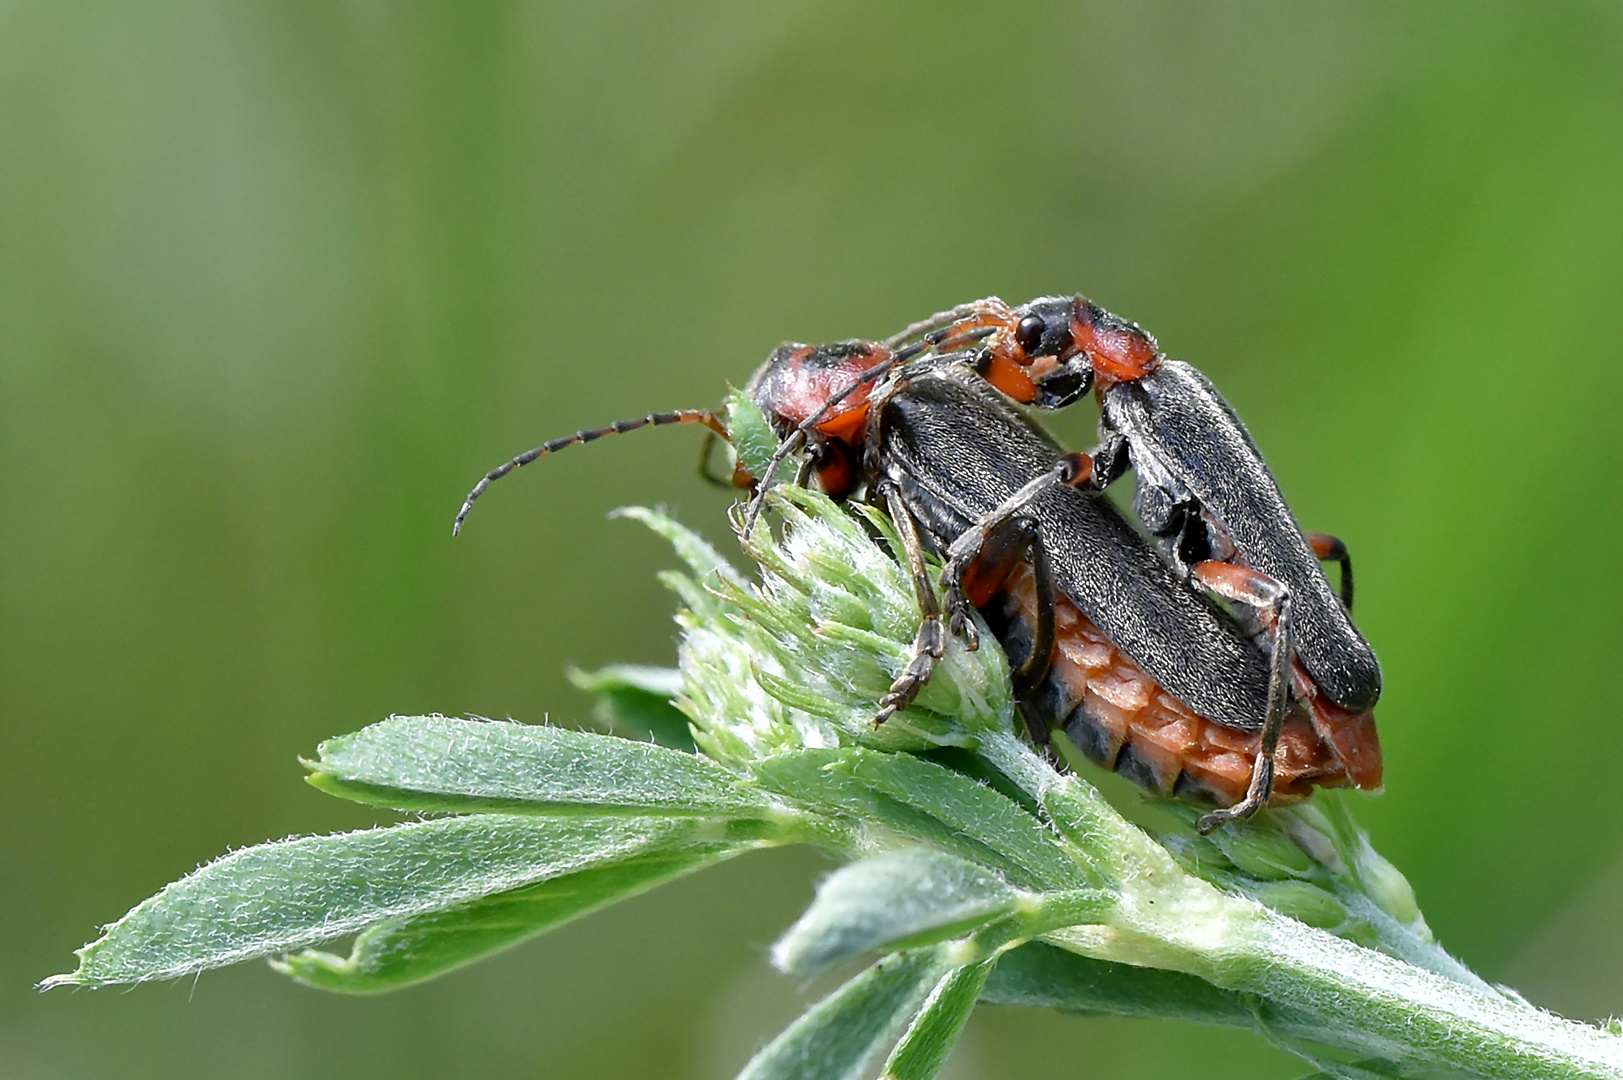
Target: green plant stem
(1395, 939)
(1369, 1002)
(1429, 1017)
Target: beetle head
(799, 382)
(1039, 337)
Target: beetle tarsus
(1248, 586)
(929, 645)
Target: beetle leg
(989, 551)
(1271, 598)
(930, 643)
(705, 453)
(1034, 669)
(1073, 469)
(814, 455)
(1330, 549)
(999, 547)
(1037, 728)
(1111, 459)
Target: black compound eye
(1030, 333)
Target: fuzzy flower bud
(802, 658)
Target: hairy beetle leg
(995, 544)
(727, 483)
(1272, 600)
(930, 643)
(1011, 536)
(1038, 731)
(974, 543)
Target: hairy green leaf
(293, 893)
(810, 777)
(928, 1040)
(753, 439)
(890, 899)
(400, 952)
(445, 764)
(970, 809)
(636, 702)
(837, 1038)
(1043, 975)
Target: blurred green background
(279, 281)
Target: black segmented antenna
(619, 427)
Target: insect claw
(963, 626)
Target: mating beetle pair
(1144, 673)
(973, 480)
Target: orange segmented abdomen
(1122, 719)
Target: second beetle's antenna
(619, 427)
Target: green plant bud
(1197, 854)
(1300, 900)
(1386, 885)
(1313, 833)
(1262, 850)
(1329, 825)
(802, 658)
